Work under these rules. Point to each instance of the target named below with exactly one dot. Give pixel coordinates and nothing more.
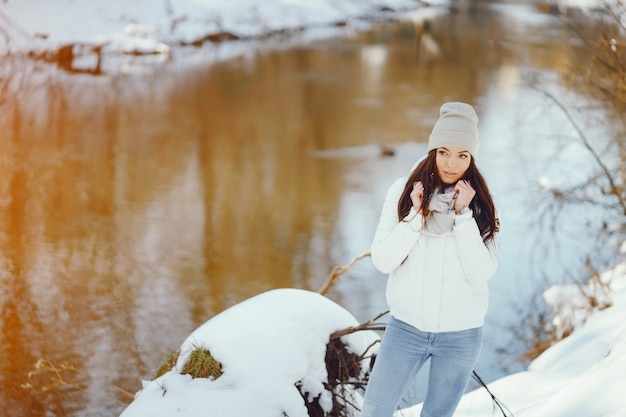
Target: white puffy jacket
(437, 282)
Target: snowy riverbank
(273, 352)
(78, 36)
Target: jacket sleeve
(479, 261)
(394, 239)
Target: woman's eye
(463, 156)
(442, 152)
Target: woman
(436, 240)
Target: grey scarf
(441, 211)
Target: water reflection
(134, 209)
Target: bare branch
(614, 188)
(368, 325)
(338, 271)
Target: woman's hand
(417, 195)
(464, 194)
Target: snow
(266, 345)
(582, 375)
(273, 341)
(270, 342)
(156, 31)
(579, 4)
(145, 25)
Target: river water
(134, 207)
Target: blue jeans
(403, 351)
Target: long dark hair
(482, 204)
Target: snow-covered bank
(584, 5)
(98, 21)
(275, 342)
(145, 26)
(77, 35)
(582, 375)
(566, 7)
(66, 30)
(272, 348)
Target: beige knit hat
(456, 127)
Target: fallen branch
(338, 271)
(503, 408)
(368, 325)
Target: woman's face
(452, 164)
